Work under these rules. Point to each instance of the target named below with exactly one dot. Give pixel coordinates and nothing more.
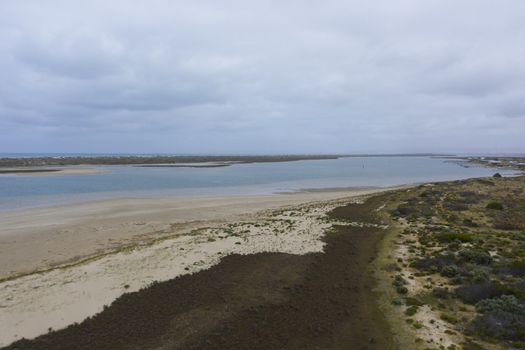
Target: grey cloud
(262, 76)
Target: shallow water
(241, 179)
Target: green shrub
(397, 302)
(472, 293)
(499, 325)
(468, 222)
(449, 318)
(441, 293)
(480, 275)
(402, 289)
(476, 256)
(403, 210)
(506, 303)
(494, 206)
(411, 311)
(449, 271)
(452, 236)
(399, 281)
(455, 206)
(413, 301)
(417, 325)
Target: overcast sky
(262, 76)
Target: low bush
(502, 224)
(399, 281)
(410, 301)
(480, 274)
(403, 210)
(469, 223)
(457, 280)
(470, 197)
(500, 325)
(506, 303)
(412, 310)
(485, 182)
(402, 289)
(494, 205)
(513, 268)
(441, 293)
(453, 236)
(472, 293)
(475, 256)
(449, 271)
(434, 263)
(449, 318)
(455, 206)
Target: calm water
(261, 178)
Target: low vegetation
(459, 269)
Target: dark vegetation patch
(455, 205)
(448, 237)
(500, 318)
(472, 293)
(494, 206)
(475, 256)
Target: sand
(50, 171)
(321, 300)
(134, 242)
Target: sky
(262, 77)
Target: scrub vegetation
(458, 267)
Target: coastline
(294, 246)
(46, 237)
(299, 235)
(58, 274)
(40, 171)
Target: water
(241, 179)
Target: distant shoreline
(152, 160)
(223, 160)
(50, 171)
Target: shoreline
(32, 171)
(293, 233)
(45, 237)
(293, 248)
(96, 253)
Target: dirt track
(262, 301)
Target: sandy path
(32, 239)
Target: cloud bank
(262, 76)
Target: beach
(338, 269)
(41, 171)
(63, 264)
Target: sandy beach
(39, 171)
(89, 254)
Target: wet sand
(259, 301)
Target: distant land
(219, 160)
